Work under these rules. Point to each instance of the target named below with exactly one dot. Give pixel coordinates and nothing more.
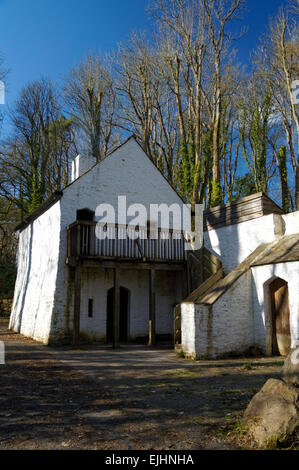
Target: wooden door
(123, 318)
(280, 317)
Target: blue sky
(47, 37)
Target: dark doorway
(281, 331)
(123, 315)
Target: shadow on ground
(133, 398)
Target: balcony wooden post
(78, 248)
(116, 309)
(77, 305)
(152, 308)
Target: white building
(253, 301)
(70, 283)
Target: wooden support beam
(77, 305)
(105, 263)
(152, 308)
(185, 284)
(116, 309)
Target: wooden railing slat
(82, 240)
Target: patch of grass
(231, 392)
(225, 407)
(271, 443)
(253, 390)
(248, 366)
(181, 354)
(237, 432)
(239, 429)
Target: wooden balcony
(89, 240)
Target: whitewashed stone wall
(127, 172)
(234, 243)
(211, 331)
(291, 223)
(43, 304)
(237, 320)
(190, 328)
(262, 274)
(96, 284)
(35, 287)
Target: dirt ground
(132, 399)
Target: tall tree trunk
(282, 155)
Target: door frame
(268, 309)
(128, 292)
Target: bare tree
(34, 161)
(278, 63)
(146, 104)
(90, 98)
(219, 14)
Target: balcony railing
(89, 239)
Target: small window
(85, 215)
(90, 308)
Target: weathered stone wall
(263, 274)
(96, 284)
(128, 171)
(42, 307)
(237, 320)
(234, 243)
(291, 223)
(35, 287)
(190, 328)
(210, 331)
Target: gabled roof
(59, 194)
(283, 250)
(109, 154)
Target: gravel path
(134, 398)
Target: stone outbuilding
(251, 303)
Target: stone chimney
(81, 165)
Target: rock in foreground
(273, 413)
(290, 371)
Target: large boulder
(290, 371)
(273, 413)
